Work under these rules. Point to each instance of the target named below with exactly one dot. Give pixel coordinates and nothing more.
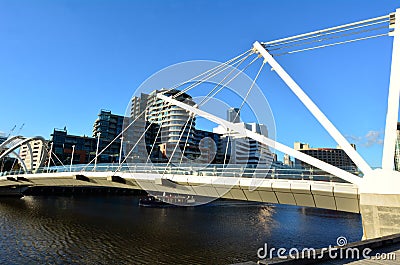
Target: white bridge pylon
(315, 111)
(392, 111)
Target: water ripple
(114, 230)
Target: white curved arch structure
(11, 141)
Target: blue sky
(63, 61)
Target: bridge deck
(321, 194)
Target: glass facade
(107, 125)
(85, 148)
(334, 156)
(170, 131)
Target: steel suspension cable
(251, 87)
(154, 143)
(220, 83)
(332, 44)
(118, 136)
(210, 70)
(226, 66)
(224, 85)
(326, 39)
(241, 106)
(133, 148)
(187, 138)
(177, 144)
(326, 30)
(318, 35)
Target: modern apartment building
(164, 128)
(244, 150)
(334, 156)
(170, 131)
(287, 160)
(233, 115)
(109, 125)
(171, 118)
(33, 154)
(105, 129)
(134, 127)
(63, 144)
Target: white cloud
(370, 139)
(353, 138)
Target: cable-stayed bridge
(375, 193)
(310, 188)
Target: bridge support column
(380, 214)
(380, 191)
(380, 204)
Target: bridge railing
(13, 172)
(216, 170)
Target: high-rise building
(167, 129)
(143, 138)
(138, 106)
(107, 129)
(233, 115)
(177, 133)
(287, 160)
(63, 144)
(334, 156)
(37, 159)
(238, 149)
(109, 125)
(397, 149)
(82, 149)
(170, 131)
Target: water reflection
(109, 230)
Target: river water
(115, 230)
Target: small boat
(169, 200)
(151, 201)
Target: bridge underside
(320, 194)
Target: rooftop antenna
(11, 131)
(20, 128)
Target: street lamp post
(72, 157)
(97, 150)
(120, 151)
(51, 151)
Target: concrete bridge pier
(380, 203)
